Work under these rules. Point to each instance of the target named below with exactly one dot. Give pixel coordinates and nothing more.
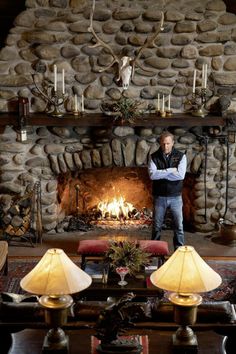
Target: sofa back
(25, 308)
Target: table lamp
(55, 277)
(185, 273)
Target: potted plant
(126, 254)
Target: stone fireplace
(77, 167)
(75, 159)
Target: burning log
(118, 209)
(117, 213)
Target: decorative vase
(122, 271)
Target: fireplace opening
(107, 197)
(114, 198)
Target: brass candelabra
(197, 102)
(54, 99)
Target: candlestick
(82, 103)
(55, 77)
(158, 102)
(194, 80)
(205, 77)
(162, 20)
(75, 103)
(63, 81)
(169, 103)
(163, 103)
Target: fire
(117, 208)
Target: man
(167, 168)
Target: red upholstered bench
(156, 248)
(96, 249)
(92, 249)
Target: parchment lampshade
(55, 274)
(186, 272)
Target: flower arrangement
(127, 254)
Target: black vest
(163, 187)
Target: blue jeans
(176, 206)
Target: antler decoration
(149, 42)
(100, 42)
(126, 65)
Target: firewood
(10, 230)
(20, 231)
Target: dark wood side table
(30, 341)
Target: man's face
(166, 144)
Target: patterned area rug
(227, 289)
(19, 267)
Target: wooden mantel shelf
(99, 119)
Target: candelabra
(55, 99)
(197, 102)
(162, 111)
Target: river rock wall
(56, 32)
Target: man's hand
(172, 170)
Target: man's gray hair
(166, 134)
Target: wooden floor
(207, 245)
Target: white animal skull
(126, 65)
(125, 71)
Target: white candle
(158, 102)
(63, 81)
(162, 21)
(163, 103)
(203, 75)
(194, 80)
(82, 103)
(76, 103)
(55, 77)
(169, 103)
(205, 78)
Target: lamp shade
(186, 272)
(55, 274)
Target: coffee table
(140, 286)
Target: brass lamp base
(185, 313)
(185, 341)
(56, 308)
(56, 342)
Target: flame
(117, 208)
